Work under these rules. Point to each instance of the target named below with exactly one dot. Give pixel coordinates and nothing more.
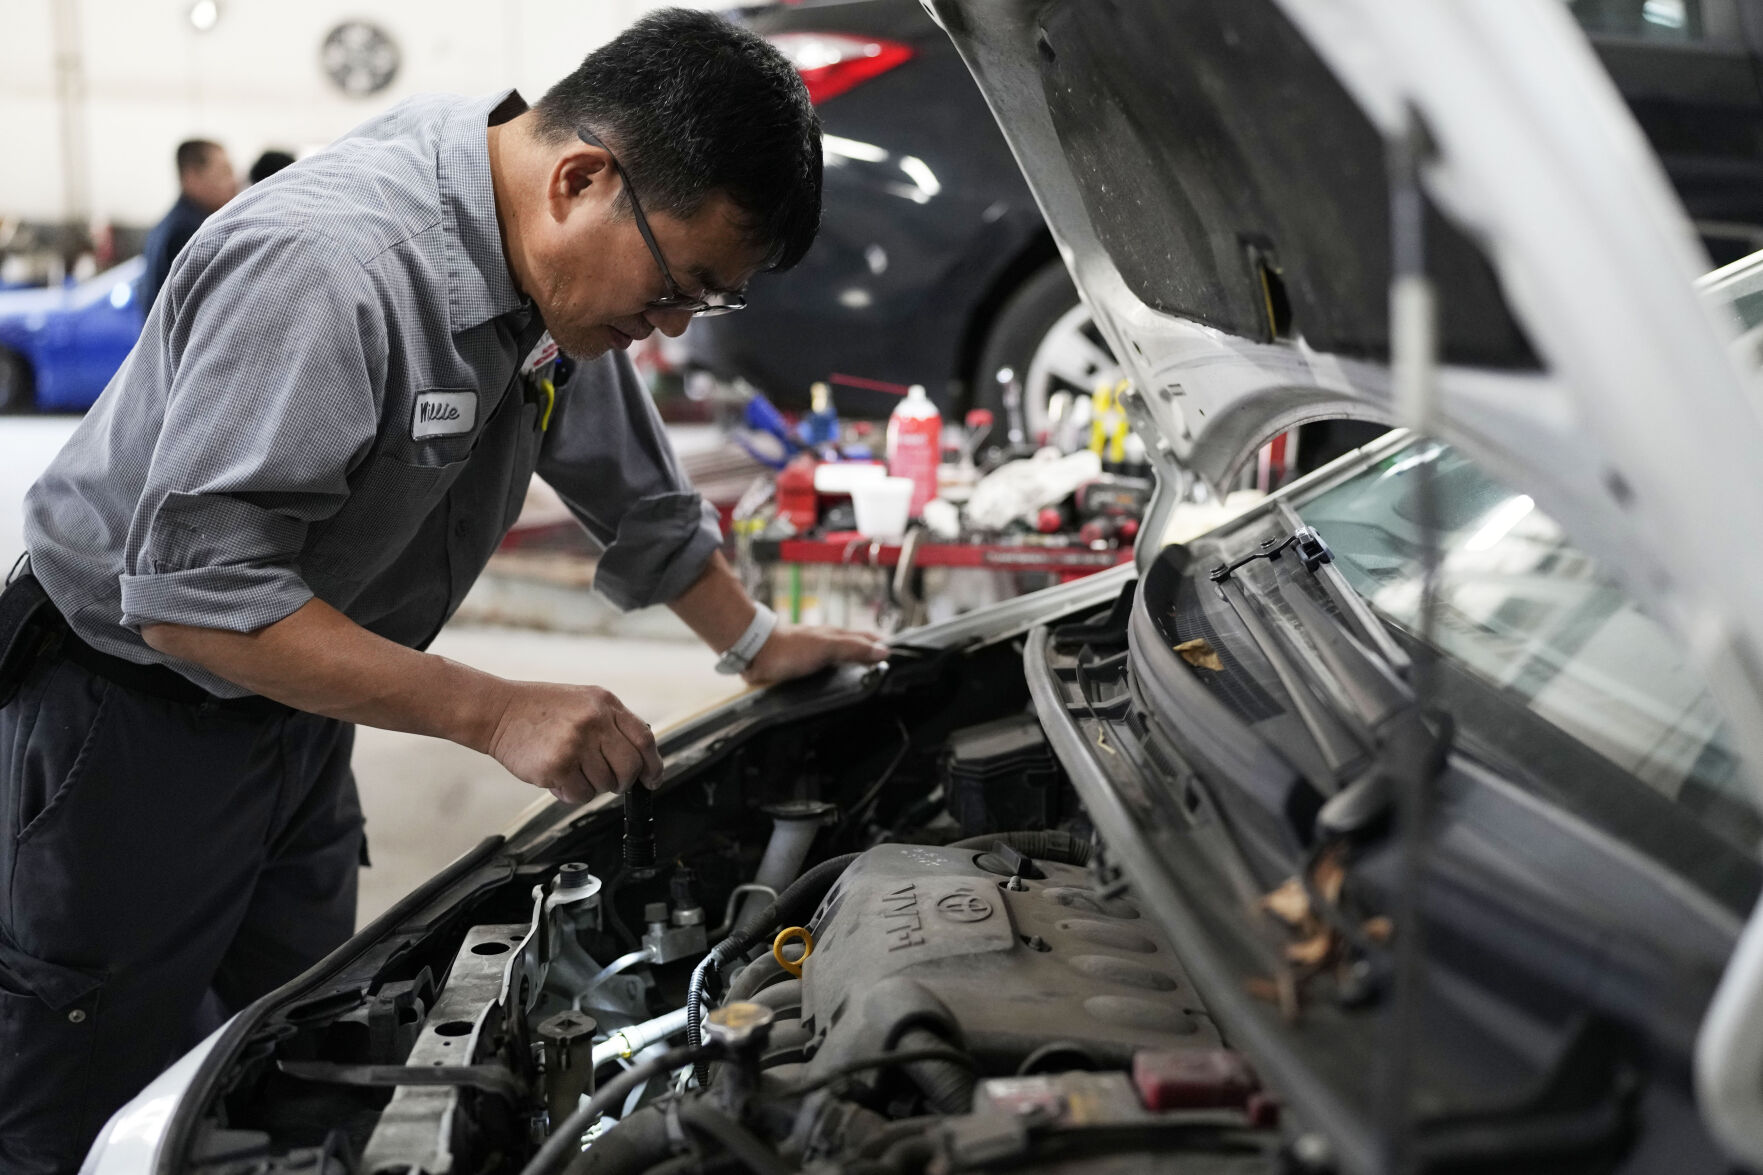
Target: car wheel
(15, 383)
(1046, 336)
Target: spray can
(915, 445)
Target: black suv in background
(933, 264)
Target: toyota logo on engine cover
(963, 906)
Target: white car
(1402, 823)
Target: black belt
(155, 681)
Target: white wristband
(741, 653)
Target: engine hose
(947, 1087)
(755, 977)
(1049, 845)
(634, 1145)
(566, 1137)
(779, 997)
(701, 1118)
(877, 1143)
(910, 1155)
(794, 905)
(628, 1042)
(693, 1164)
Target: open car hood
(1215, 174)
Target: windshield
(1740, 286)
(1522, 610)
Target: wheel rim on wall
(1071, 357)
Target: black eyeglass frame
(675, 299)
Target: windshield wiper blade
(1366, 683)
(1345, 674)
(1319, 561)
(1369, 668)
(1369, 691)
(1341, 748)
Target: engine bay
(976, 910)
(878, 937)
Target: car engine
(884, 939)
(988, 1004)
(984, 1005)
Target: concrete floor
(427, 801)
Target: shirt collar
(479, 284)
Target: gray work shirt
(327, 402)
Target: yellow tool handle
(550, 390)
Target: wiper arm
(1319, 561)
(1342, 660)
(1369, 668)
(1366, 683)
(1339, 747)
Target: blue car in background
(60, 346)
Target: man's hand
(794, 651)
(575, 741)
(718, 609)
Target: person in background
(205, 182)
(268, 164)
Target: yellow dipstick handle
(794, 967)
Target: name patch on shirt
(443, 414)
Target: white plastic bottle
(915, 445)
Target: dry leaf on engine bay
(1329, 875)
(1289, 903)
(1200, 654)
(1379, 929)
(1312, 951)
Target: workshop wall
(146, 78)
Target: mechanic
(205, 183)
(328, 425)
(268, 164)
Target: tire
(15, 383)
(1044, 334)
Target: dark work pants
(154, 857)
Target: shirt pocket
(525, 460)
(387, 508)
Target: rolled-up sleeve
(277, 374)
(607, 456)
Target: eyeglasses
(712, 303)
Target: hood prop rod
(1414, 358)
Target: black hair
(690, 105)
(268, 164)
(193, 154)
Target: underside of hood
(1215, 174)
(1221, 199)
(1232, 181)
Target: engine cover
(912, 934)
